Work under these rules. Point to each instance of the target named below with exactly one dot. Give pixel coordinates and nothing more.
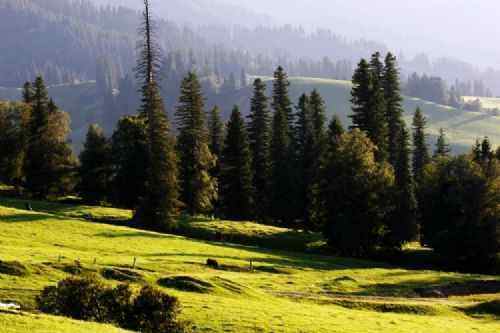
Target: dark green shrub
(155, 312)
(78, 298)
(87, 298)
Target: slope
(284, 292)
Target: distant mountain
(198, 12)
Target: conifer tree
(403, 226)
(283, 153)
(236, 188)
(420, 154)
(28, 93)
(476, 151)
(442, 146)
(199, 189)
(335, 130)
(486, 150)
(310, 129)
(394, 110)
(95, 169)
(49, 163)
(368, 106)
(216, 132)
(160, 203)
(281, 98)
(129, 149)
(283, 198)
(259, 133)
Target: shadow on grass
(27, 218)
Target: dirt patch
(186, 283)
(460, 289)
(229, 285)
(13, 268)
(121, 274)
(423, 310)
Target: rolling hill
(283, 292)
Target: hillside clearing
(285, 291)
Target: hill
(462, 127)
(285, 291)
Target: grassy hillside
(462, 127)
(489, 103)
(284, 292)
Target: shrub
(78, 298)
(155, 312)
(87, 298)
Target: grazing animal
(212, 263)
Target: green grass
(285, 291)
(489, 103)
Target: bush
(87, 298)
(155, 312)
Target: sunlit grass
(283, 292)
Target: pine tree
(283, 158)
(199, 189)
(216, 132)
(129, 147)
(259, 133)
(335, 131)
(394, 110)
(95, 169)
(368, 106)
(236, 189)
(49, 163)
(476, 151)
(421, 155)
(28, 93)
(281, 98)
(403, 226)
(486, 150)
(310, 130)
(442, 146)
(159, 205)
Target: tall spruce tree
(259, 133)
(236, 188)
(159, 206)
(442, 146)
(394, 109)
(281, 97)
(199, 188)
(403, 225)
(420, 154)
(95, 169)
(216, 132)
(283, 158)
(368, 105)
(310, 130)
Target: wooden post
(133, 265)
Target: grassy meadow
(255, 289)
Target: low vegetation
(279, 294)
